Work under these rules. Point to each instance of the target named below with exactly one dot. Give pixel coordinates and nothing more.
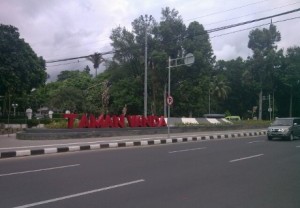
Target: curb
(23, 153)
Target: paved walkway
(12, 147)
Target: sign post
(170, 100)
(189, 59)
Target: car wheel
(269, 138)
(291, 138)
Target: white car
(286, 128)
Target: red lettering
(145, 121)
(114, 121)
(92, 123)
(162, 122)
(119, 122)
(84, 123)
(71, 118)
(131, 121)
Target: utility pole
(147, 21)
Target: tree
(192, 77)
(87, 69)
(96, 59)
(74, 85)
(290, 82)
(68, 98)
(20, 68)
(220, 87)
(262, 43)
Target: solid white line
(245, 158)
(186, 150)
(39, 170)
(297, 146)
(80, 194)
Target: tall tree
(290, 82)
(96, 59)
(262, 43)
(20, 68)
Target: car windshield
(282, 122)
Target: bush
(32, 122)
(61, 124)
(14, 120)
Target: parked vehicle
(233, 118)
(285, 128)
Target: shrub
(32, 122)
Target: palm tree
(220, 87)
(96, 59)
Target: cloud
(58, 29)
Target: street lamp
(189, 59)
(147, 22)
(14, 105)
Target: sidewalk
(12, 147)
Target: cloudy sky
(58, 29)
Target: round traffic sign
(170, 100)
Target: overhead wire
(228, 10)
(75, 46)
(263, 11)
(207, 31)
(249, 28)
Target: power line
(249, 28)
(75, 62)
(251, 21)
(228, 10)
(253, 13)
(79, 57)
(207, 31)
(245, 29)
(74, 46)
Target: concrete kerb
(73, 148)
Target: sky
(58, 29)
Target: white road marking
(297, 146)
(245, 158)
(187, 150)
(39, 170)
(255, 142)
(80, 194)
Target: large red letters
(115, 121)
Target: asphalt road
(245, 172)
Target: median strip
(71, 147)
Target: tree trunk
(260, 105)
(291, 103)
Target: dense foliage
(20, 68)
(269, 78)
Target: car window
(297, 121)
(282, 122)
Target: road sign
(189, 59)
(270, 109)
(170, 100)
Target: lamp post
(189, 59)
(147, 21)
(14, 105)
